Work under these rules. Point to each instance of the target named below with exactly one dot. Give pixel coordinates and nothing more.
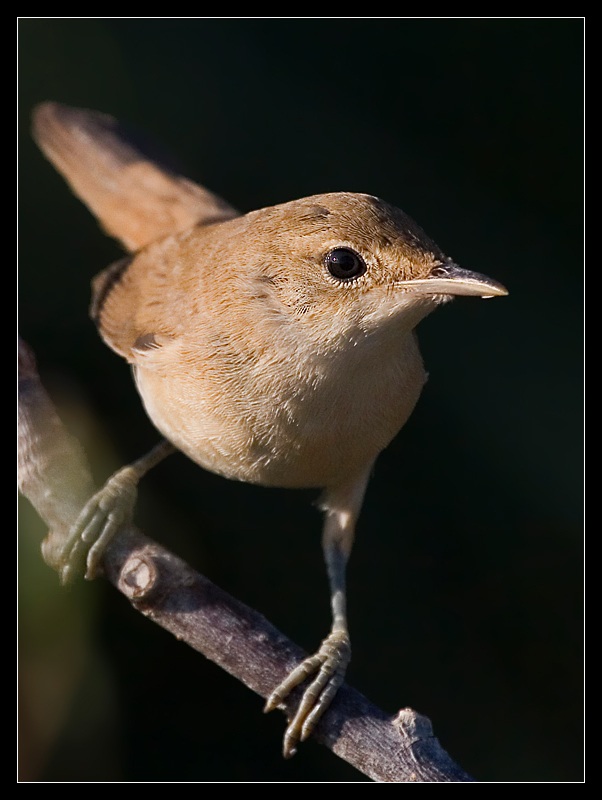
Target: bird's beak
(451, 279)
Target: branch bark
(55, 476)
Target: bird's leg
(328, 665)
(104, 514)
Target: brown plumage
(275, 347)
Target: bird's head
(341, 262)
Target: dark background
(466, 578)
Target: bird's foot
(104, 514)
(328, 665)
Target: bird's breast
(310, 422)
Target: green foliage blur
(466, 579)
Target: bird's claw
(330, 663)
(98, 522)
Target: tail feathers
(135, 198)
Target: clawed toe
(98, 522)
(328, 665)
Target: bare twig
(54, 475)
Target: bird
(276, 347)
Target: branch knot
(413, 726)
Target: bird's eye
(344, 264)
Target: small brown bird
(275, 347)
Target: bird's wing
(135, 198)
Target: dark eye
(344, 264)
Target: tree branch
(55, 476)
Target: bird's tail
(135, 198)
